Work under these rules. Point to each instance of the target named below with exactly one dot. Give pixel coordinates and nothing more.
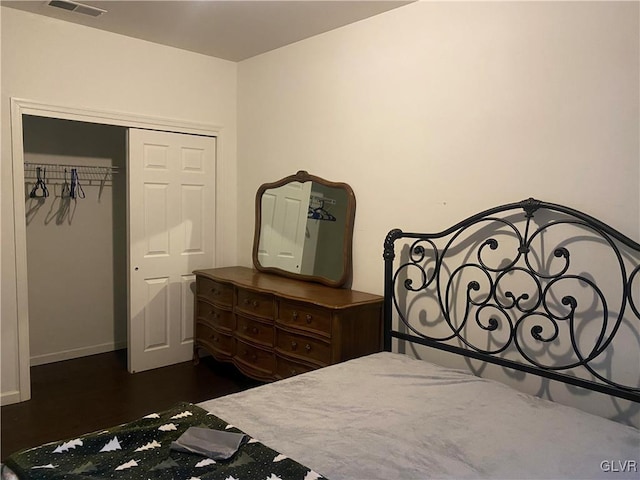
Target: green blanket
(141, 450)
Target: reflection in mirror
(305, 229)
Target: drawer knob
(293, 371)
(254, 330)
(294, 315)
(308, 318)
(254, 303)
(307, 347)
(250, 355)
(294, 345)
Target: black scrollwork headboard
(531, 285)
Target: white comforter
(388, 417)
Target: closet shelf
(59, 173)
(316, 200)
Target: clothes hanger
(76, 188)
(66, 188)
(320, 213)
(41, 174)
(326, 215)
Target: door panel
(171, 230)
(156, 223)
(155, 318)
(192, 217)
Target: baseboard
(7, 398)
(76, 353)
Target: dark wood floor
(79, 396)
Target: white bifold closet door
(171, 233)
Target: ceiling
(232, 30)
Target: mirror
(304, 229)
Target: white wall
(59, 63)
(437, 110)
(448, 108)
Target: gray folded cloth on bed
(215, 444)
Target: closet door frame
(20, 107)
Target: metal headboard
(529, 320)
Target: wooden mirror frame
(303, 176)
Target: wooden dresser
(273, 327)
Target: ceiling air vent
(77, 7)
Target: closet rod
(60, 171)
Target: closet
(76, 229)
(117, 218)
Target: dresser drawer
(255, 331)
(286, 367)
(219, 318)
(220, 293)
(213, 340)
(306, 348)
(256, 358)
(255, 303)
(305, 317)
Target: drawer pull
(307, 347)
(294, 345)
(251, 356)
(308, 317)
(253, 303)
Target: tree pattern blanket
(141, 450)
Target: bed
(531, 287)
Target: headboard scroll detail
(517, 291)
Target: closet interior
(76, 220)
